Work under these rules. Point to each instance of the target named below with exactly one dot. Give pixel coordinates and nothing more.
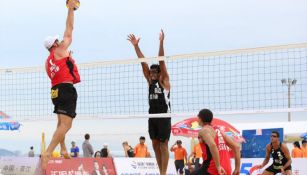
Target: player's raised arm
(164, 73)
(135, 42)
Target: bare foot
(65, 154)
(44, 160)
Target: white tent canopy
(290, 128)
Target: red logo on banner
(81, 166)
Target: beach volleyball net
(233, 81)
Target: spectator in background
(31, 152)
(296, 151)
(105, 152)
(304, 148)
(87, 147)
(180, 156)
(196, 154)
(141, 149)
(97, 154)
(74, 150)
(129, 151)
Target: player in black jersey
(159, 92)
(281, 157)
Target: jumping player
(63, 73)
(159, 92)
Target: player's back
(223, 150)
(208, 163)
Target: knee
(65, 126)
(68, 126)
(164, 146)
(155, 146)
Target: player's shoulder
(283, 146)
(60, 53)
(268, 146)
(207, 127)
(203, 130)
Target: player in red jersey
(215, 147)
(63, 73)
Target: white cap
(49, 41)
(105, 145)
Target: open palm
(134, 41)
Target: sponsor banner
(9, 126)
(141, 166)
(248, 166)
(19, 165)
(81, 166)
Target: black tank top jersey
(279, 158)
(158, 99)
(206, 162)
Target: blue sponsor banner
(9, 126)
(6, 122)
(256, 141)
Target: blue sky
(191, 26)
(101, 28)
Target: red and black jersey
(208, 163)
(62, 70)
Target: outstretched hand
(72, 4)
(134, 41)
(161, 38)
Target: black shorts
(203, 170)
(275, 170)
(200, 171)
(64, 98)
(179, 164)
(197, 164)
(159, 128)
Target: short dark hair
(97, 152)
(87, 136)
(205, 115)
(31, 147)
(297, 144)
(276, 132)
(142, 138)
(179, 142)
(155, 66)
(304, 141)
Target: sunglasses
(273, 136)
